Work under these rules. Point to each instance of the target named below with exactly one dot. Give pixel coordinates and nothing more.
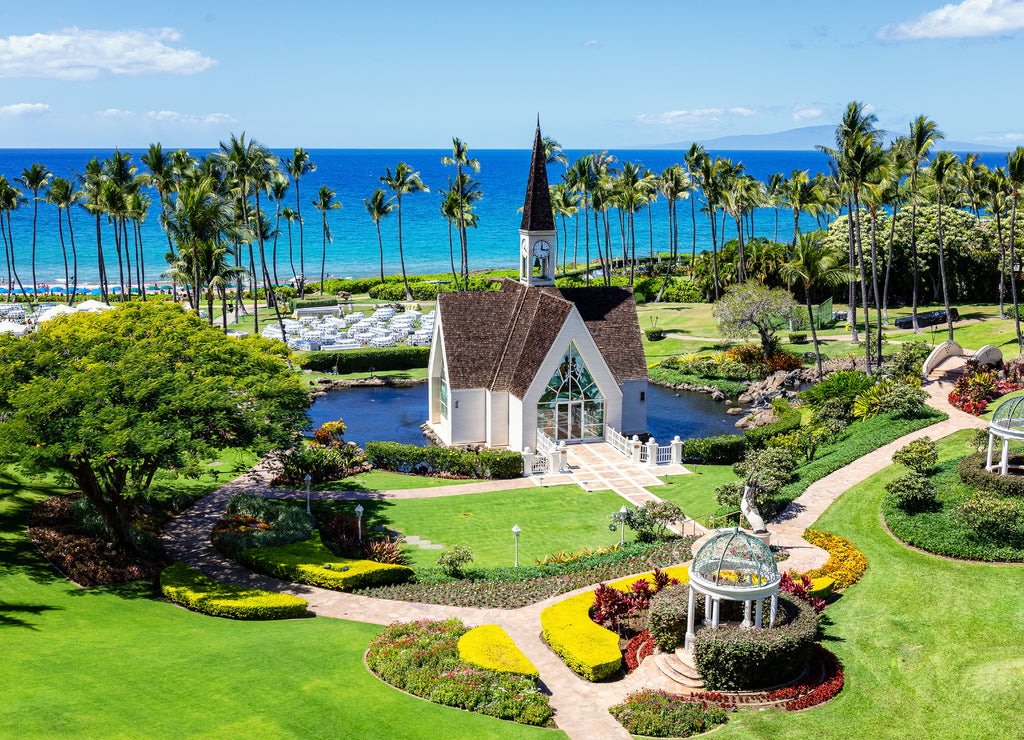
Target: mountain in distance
(804, 138)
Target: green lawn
(383, 480)
(552, 518)
(116, 662)
(1001, 333)
(930, 647)
(695, 494)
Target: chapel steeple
(537, 231)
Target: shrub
(724, 449)
(747, 354)
(319, 463)
(771, 467)
(797, 337)
(908, 360)
(587, 648)
(788, 421)
(666, 619)
(972, 472)
(295, 303)
(912, 492)
(732, 658)
(803, 589)
(846, 564)
(497, 464)
(423, 659)
(919, 455)
(650, 521)
(782, 360)
(453, 562)
(489, 646)
(283, 524)
(836, 408)
(904, 399)
(654, 334)
(656, 713)
(361, 360)
(993, 517)
(845, 384)
(311, 563)
(193, 590)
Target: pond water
(395, 414)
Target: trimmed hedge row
(735, 659)
(489, 646)
(496, 464)
(789, 419)
(310, 562)
(295, 303)
(193, 590)
(585, 646)
(972, 472)
(361, 360)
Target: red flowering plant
(978, 386)
(801, 589)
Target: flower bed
(655, 713)
(193, 590)
(311, 563)
(639, 647)
(489, 646)
(423, 659)
(511, 588)
(977, 387)
(846, 564)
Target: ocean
(354, 174)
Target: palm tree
(1015, 178)
(776, 189)
(404, 181)
(460, 158)
(944, 166)
(923, 135)
(325, 202)
(92, 183)
(379, 206)
(137, 210)
(34, 178)
(581, 180)
(693, 158)
(299, 165)
(563, 203)
(62, 193)
(160, 175)
(996, 192)
(10, 199)
(279, 185)
(814, 265)
(289, 216)
(198, 217)
(213, 270)
(674, 184)
(553, 152)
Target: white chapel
(531, 358)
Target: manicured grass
(552, 518)
(695, 493)
(1001, 333)
(994, 403)
(117, 662)
(930, 647)
(383, 480)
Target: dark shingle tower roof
(537, 209)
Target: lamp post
(359, 520)
(515, 533)
(622, 524)
(308, 478)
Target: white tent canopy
(9, 327)
(58, 310)
(92, 305)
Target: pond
(395, 414)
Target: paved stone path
(580, 706)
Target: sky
(413, 74)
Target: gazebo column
(714, 614)
(774, 610)
(746, 623)
(991, 445)
(707, 608)
(757, 614)
(1004, 462)
(691, 607)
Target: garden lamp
(359, 520)
(622, 524)
(515, 533)
(308, 478)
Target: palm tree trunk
(401, 253)
(64, 252)
(586, 233)
(451, 255)
(1002, 264)
(888, 268)
(1013, 272)
(942, 268)
(863, 285)
(714, 249)
(913, 246)
(852, 307)
(693, 226)
(291, 259)
(380, 245)
(223, 290)
(35, 211)
(814, 333)
(277, 233)
(7, 257)
(874, 284)
(14, 267)
(632, 245)
(302, 241)
(99, 261)
(170, 244)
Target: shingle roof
(498, 339)
(537, 214)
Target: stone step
(677, 671)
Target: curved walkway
(580, 706)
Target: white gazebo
(1007, 423)
(735, 566)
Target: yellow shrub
(193, 590)
(585, 646)
(846, 564)
(490, 647)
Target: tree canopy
(751, 307)
(110, 398)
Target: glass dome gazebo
(1007, 423)
(736, 566)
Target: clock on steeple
(537, 230)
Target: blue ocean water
(354, 174)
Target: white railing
(617, 441)
(664, 455)
(643, 453)
(646, 453)
(540, 463)
(545, 445)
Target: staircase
(679, 667)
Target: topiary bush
(497, 464)
(489, 646)
(972, 472)
(919, 455)
(724, 449)
(654, 334)
(193, 590)
(798, 338)
(912, 492)
(734, 659)
(587, 648)
(993, 518)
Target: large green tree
(751, 308)
(111, 398)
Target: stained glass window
(571, 406)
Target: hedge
(497, 464)
(296, 303)
(585, 646)
(724, 449)
(789, 420)
(489, 646)
(193, 590)
(731, 658)
(972, 472)
(310, 562)
(361, 360)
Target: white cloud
(76, 54)
(694, 117)
(741, 111)
(868, 109)
(591, 42)
(806, 113)
(117, 113)
(970, 18)
(170, 116)
(1001, 139)
(24, 109)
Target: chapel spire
(537, 214)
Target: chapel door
(569, 424)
